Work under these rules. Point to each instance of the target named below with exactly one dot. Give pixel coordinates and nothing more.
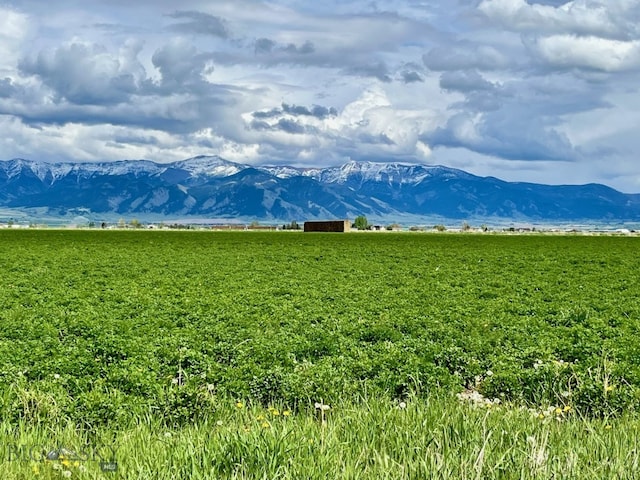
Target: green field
(134, 335)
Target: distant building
(328, 226)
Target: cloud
(571, 51)
(181, 65)
(304, 49)
(465, 81)
(581, 34)
(7, 88)
(290, 126)
(615, 19)
(270, 49)
(377, 70)
(500, 135)
(465, 55)
(264, 46)
(367, 128)
(411, 76)
(88, 83)
(199, 23)
(317, 111)
(84, 74)
(14, 29)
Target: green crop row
(104, 327)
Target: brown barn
(328, 226)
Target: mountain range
(211, 187)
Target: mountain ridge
(215, 187)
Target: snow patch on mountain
(399, 173)
(210, 166)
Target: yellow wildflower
(286, 413)
(260, 418)
(239, 405)
(558, 411)
(266, 424)
(607, 427)
(609, 388)
(566, 408)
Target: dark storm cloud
(290, 126)
(317, 111)
(283, 125)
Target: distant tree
(121, 223)
(466, 227)
(439, 228)
(135, 223)
(361, 222)
(291, 226)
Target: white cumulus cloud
(589, 52)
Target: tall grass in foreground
(371, 439)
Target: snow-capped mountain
(214, 187)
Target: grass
(437, 438)
(136, 346)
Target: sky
(542, 91)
